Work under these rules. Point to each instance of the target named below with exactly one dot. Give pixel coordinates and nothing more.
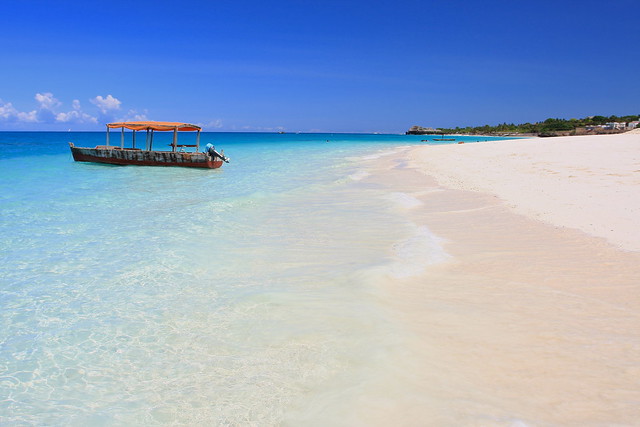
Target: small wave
(379, 154)
(359, 175)
(429, 191)
(404, 200)
(414, 254)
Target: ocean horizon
(162, 295)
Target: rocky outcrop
(419, 130)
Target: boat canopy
(157, 126)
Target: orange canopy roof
(159, 126)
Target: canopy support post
(146, 142)
(122, 138)
(133, 138)
(151, 141)
(175, 139)
(198, 141)
(107, 135)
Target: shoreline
(526, 322)
(584, 182)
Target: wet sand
(530, 321)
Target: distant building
(615, 125)
(633, 125)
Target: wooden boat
(178, 156)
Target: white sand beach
(535, 317)
(591, 183)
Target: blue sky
(337, 66)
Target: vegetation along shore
(592, 125)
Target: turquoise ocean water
(147, 295)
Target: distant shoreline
(519, 135)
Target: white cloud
(50, 110)
(6, 110)
(47, 112)
(8, 113)
(263, 128)
(29, 117)
(216, 123)
(106, 104)
(134, 116)
(47, 101)
(75, 116)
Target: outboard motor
(211, 150)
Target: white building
(615, 125)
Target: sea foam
(379, 155)
(404, 200)
(414, 254)
(359, 175)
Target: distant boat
(115, 155)
(444, 139)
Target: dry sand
(535, 318)
(591, 183)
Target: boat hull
(130, 156)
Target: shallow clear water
(243, 295)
